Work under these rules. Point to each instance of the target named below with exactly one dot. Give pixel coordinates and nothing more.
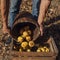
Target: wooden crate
(37, 55)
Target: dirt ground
(51, 21)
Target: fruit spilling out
(43, 49)
(25, 42)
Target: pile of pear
(27, 43)
(25, 39)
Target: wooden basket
(22, 20)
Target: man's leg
(35, 8)
(14, 9)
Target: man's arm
(43, 8)
(4, 15)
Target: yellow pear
(20, 50)
(25, 33)
(28, 50)
(42, 49)
(31, 43)
(47, 50)
(20, 39)
(28, 38)
(23, 36)
(24, 44)
(38, 50)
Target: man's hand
(41, 28)
(42, 12)
(5, 29)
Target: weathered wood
(37, 55)
(22, 20)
